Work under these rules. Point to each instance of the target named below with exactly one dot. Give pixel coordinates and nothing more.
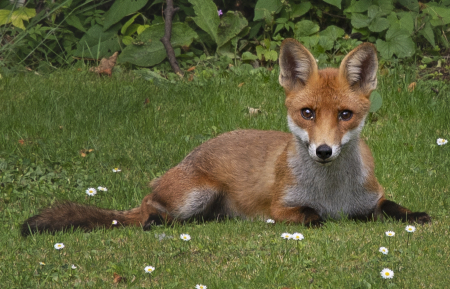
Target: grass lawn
(65, 132)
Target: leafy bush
(45, 34)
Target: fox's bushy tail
(68, 215)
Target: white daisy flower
(185, 237)
(390, 233)
(384, 250)
(441, 141)
(116, 170)
(149, 269)
(286, 236)
(114, 222)
(74, 267)
(297, 236)
(59, 246)
(200, 286)
(270, 221)
(91, 191)
(102, 189)
(410, 229)
(387, 273)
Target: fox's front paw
(311, 218)
(419, 218)
(153, 220)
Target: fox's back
(241, 160)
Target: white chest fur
(333, 190)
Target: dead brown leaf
(399, 89)
(191, 68)
(106, 65)
(191, 77)
(118, 278)
(147, 101)
(422, 6)
(85, 152)
(412, 86)
(241, 84)
(21, 141)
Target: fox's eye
(345, 115)
(307, 113)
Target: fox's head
(327, 108)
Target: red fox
(321, 170)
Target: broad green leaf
(426, 60)
(226, 50)
(392, 18)
(375, 101)
(127, 40)
(374, 11)
(360, 20)
(152, 51)
(255, 29)
(309, 41)
(379, 24)
(120, 9)
(97, 43)
(74, 21)
(231, 25)
(281, 20)
(305, 28)
(428, 33)
(300, 9)
(439, 15)
(133, 28)
(260, 51)
(249, 56)
(385, 5)
(397, 42)
(278, 28)
(407, 22)
(127, 24)
(358, 6)
(141, 28)
(5, 16)
(207, 17)
(264, 8)
(336, 3)
(326, 42)
(271, 55)
(328, 36)
(333, 32)
(412, 5)
(17, 16)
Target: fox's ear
(360, 67)
(297, 64)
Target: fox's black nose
(324, 151)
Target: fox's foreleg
(298, 215)
(390, 209)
